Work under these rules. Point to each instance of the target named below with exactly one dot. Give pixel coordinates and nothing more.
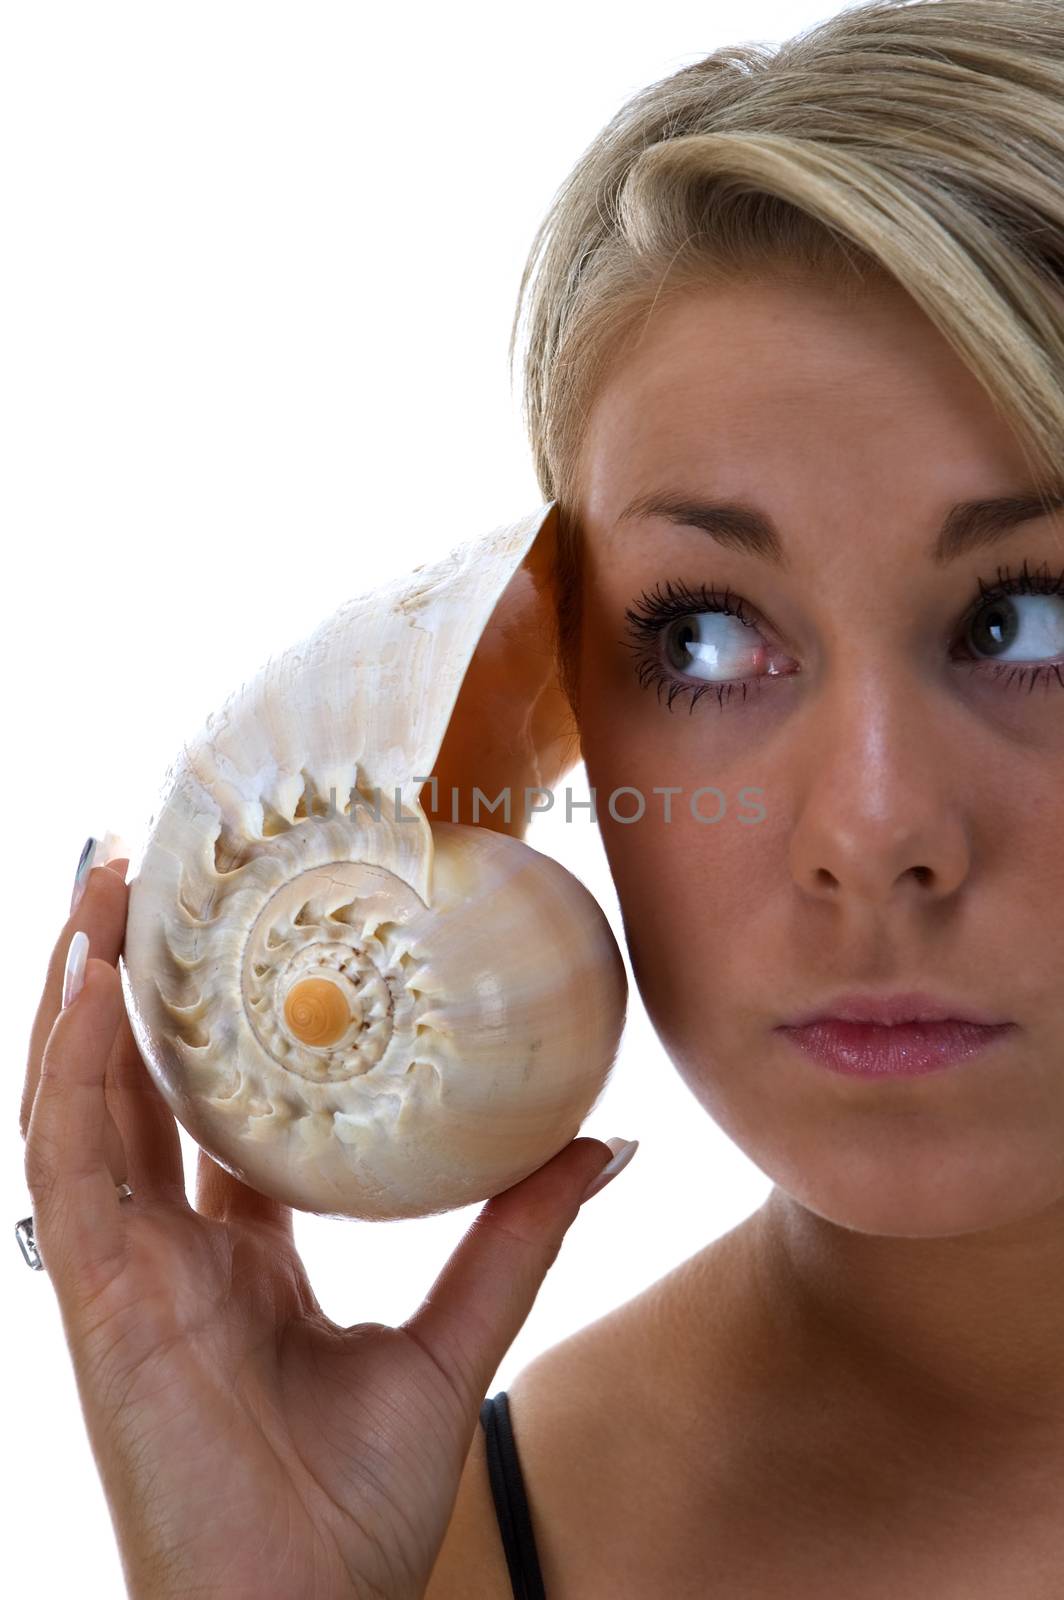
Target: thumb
(481, 1299)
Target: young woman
(795, 378)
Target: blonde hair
(918, 139)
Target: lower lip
(873, 1050)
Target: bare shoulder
(561, 1415)
(471, 1564)
(586, 1414)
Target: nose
(879, 809)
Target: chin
(919, 1187)
(908, 1167)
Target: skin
(896, 1307)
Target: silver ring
(27, 1242)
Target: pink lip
(898, 1035)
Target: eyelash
(647, 622)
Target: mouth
(867, 1035)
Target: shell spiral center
(326, 971)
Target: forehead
(727, 387)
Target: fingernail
(623, 1151)
(97, 853)
(74, 971)
(81, 877)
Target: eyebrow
(969, 525)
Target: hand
(247, 1444)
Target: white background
(259, 266)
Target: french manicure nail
(97, 853)
(81, 877)
(74, 971)
(623, 1151)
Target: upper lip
(912, 1006)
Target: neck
(965, 1331)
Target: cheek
(692, 897)
(685, 865)
(685, 779)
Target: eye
(692, 641)
(707, 645)
(1014, 626)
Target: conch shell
(352, 1007)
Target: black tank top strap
(511, 1503)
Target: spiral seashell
(355, 1009)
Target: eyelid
(681, 599)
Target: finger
(78, 1217)
(220, 1195)
(102, 852)
(102, 915)
(483, 1296)
(146, 1125)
